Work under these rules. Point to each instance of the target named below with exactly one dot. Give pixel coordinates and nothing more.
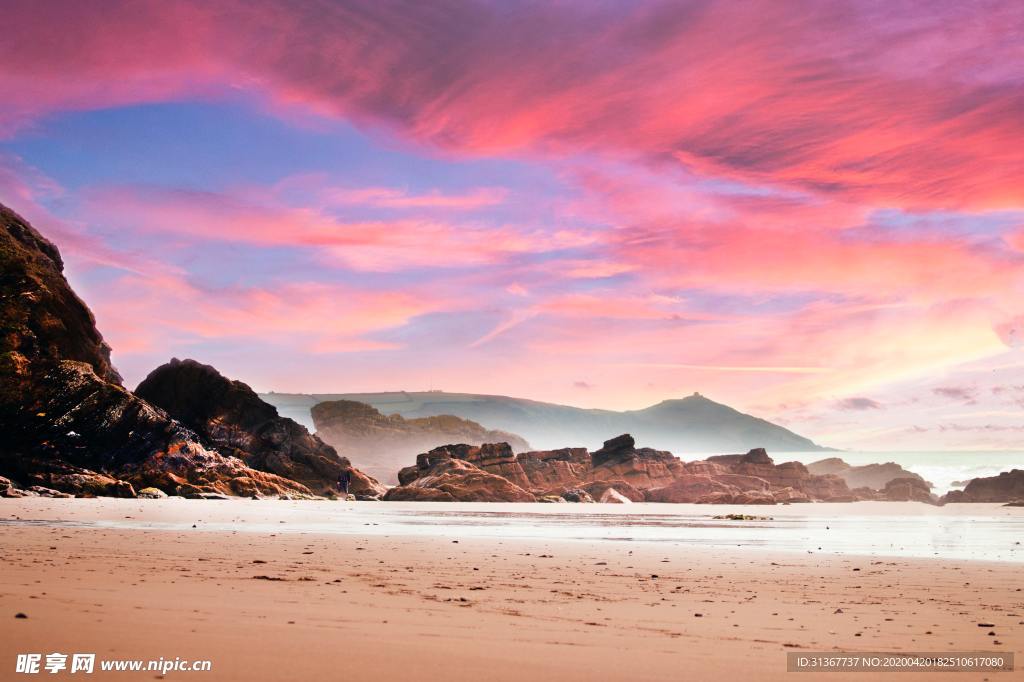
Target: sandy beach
(272, 604)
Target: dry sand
(364, 607)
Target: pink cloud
(382, 245)
(143, 314)
(26, 190)
(863, 100)
(386, 197)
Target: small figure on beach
(344, 480)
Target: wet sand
(273, 605)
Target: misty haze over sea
(941, 468)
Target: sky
(813, 212)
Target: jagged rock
(151, 494)
(577, 495)
(644, 468)
(13, 492)
(874, 476)
(380, 444)
(43, 491)
(690, 488)
(555, 469)
(61, 401)
(558, 499)
(1008, 486)
(70, 479)
(440, 477)
(907, 490)
(620, 447)
(757, 463)
(239, 424)
(494, 458)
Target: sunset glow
(813, 212)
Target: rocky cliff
(66, 421)
(381, 444)
(231, 417)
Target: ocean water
(973, 532)
(942, 469)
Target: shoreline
(965, 532)
(273, 605)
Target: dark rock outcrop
(230, 416)
(1008, 486)
(644, 468)
(64, 415)
(874, 476)
(381, 444)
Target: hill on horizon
(693, 424)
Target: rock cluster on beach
(381, 444)
(67, 421)
(620, 472)
(1006, 487)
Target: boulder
(577, 495)
(229, 415)
(599, 489)
(151, 494)
(907, 490)
(613, 496)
